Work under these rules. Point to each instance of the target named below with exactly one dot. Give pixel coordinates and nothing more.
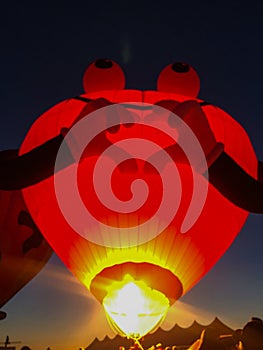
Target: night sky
(44, 52)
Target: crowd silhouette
(250, 337)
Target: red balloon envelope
(136, 238)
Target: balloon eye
(179, 78)
(103, 74)
(180, 67)
(103, 63)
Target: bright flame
(134, 309)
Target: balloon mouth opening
(136, 296)
(156, 277)
(133, 309)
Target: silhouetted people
(237, 335)
(229, 342)
(7, 341)
(210, 340)
(252, 334)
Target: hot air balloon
(130, 189)
(23, 249)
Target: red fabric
(23, 250)
(188, 255)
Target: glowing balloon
(137, 202)
(23, 249)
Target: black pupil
(180, 67)
(103, 63)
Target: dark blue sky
(44, 52)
